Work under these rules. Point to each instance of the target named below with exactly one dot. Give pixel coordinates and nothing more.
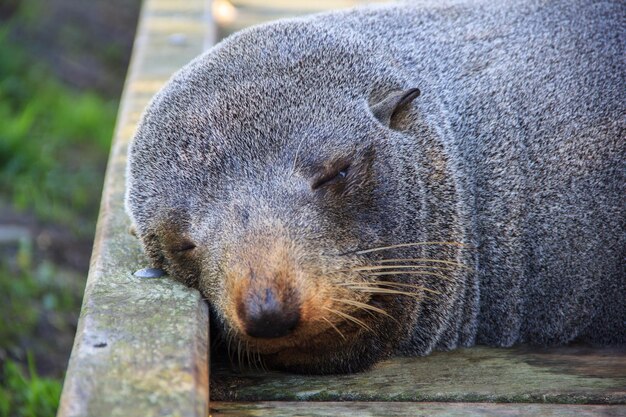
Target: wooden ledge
(141, 348)
(565, 375)
(403, 409)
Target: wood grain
(572, 374)
(364, 409)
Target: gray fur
(515, 148)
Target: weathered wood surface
(234, 15)
(364, 409)
(141, 346)
(556, 375)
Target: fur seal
(396, 179)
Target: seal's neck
(447, 319)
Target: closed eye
(332, 177)
(185, 246)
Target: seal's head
(276, 185)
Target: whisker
(376, 284)
(406, 245)
(257, 360)
(434, 274)
(375, 267)
(334, 327)
(452, 263)
(248, 355)
(261, 363)
(363, 306)
(350, 318)
(229, 339)
(252, 357)
(239, 354)
(390, 291)
(295, 160)
(401, 284)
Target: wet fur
(515, 149)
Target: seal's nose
(266, 316)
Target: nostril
(272, 324)
(265, 316)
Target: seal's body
(333, 215)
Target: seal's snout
(265, 296)
(265, 314)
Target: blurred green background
(62, 67)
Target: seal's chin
(328, 354)
(323, 347)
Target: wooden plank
(141, 347)
(557, 375)
(363, 409)
(234, 15)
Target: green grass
(26, 394)
(34, 296)
(53, 142)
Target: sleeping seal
(396, 179)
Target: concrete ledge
(141, 347)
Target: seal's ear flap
(394, 102)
